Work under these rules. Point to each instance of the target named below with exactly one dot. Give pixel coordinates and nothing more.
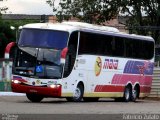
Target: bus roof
(51, 26)
(70, 26)
(91, 26)
(80, 26)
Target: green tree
(141, 13)
(6, 36)
(3, 9)
(91, 11)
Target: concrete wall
(155, 90)
(5, 74)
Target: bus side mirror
(8, 49)
(63, 54)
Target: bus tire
(78, 94)
(135, 93)
(90, 99)
(127, 93)
(34, 97)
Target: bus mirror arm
(8, 49)
(64, 52)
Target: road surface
(17, 105)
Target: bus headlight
(53, 86)
(16, 81)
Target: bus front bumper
(46, 91)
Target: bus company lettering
(110, 64)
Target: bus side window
(119, 47)
(71, 55)
(129, 48)
(83, 44)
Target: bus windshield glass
(38, 62)
(39, 53)
(43, 38)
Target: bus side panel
(70, 83)
(134, 72)
(108, 76)
(100, 73)
(113, 74)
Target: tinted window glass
(140, 49)
(43, 38)
(107, 45)
(95, 44)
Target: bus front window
(48, 63)
(39, 62)
(39, 53)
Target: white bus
(80, 61)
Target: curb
(11, 94)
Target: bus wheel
(34, 97)
(127, 94)
(135, 93)
(78, 94)
(90, 99)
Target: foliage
(21, 22)
(91, 11)
(3, 9)
(6, 36)
(143, 13)
(140, 12)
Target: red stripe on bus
(116, 88)
(109, 88)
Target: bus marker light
(54, 86)
(16, 81)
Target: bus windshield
(41, 38)
(39, 53)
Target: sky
(37, 7)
